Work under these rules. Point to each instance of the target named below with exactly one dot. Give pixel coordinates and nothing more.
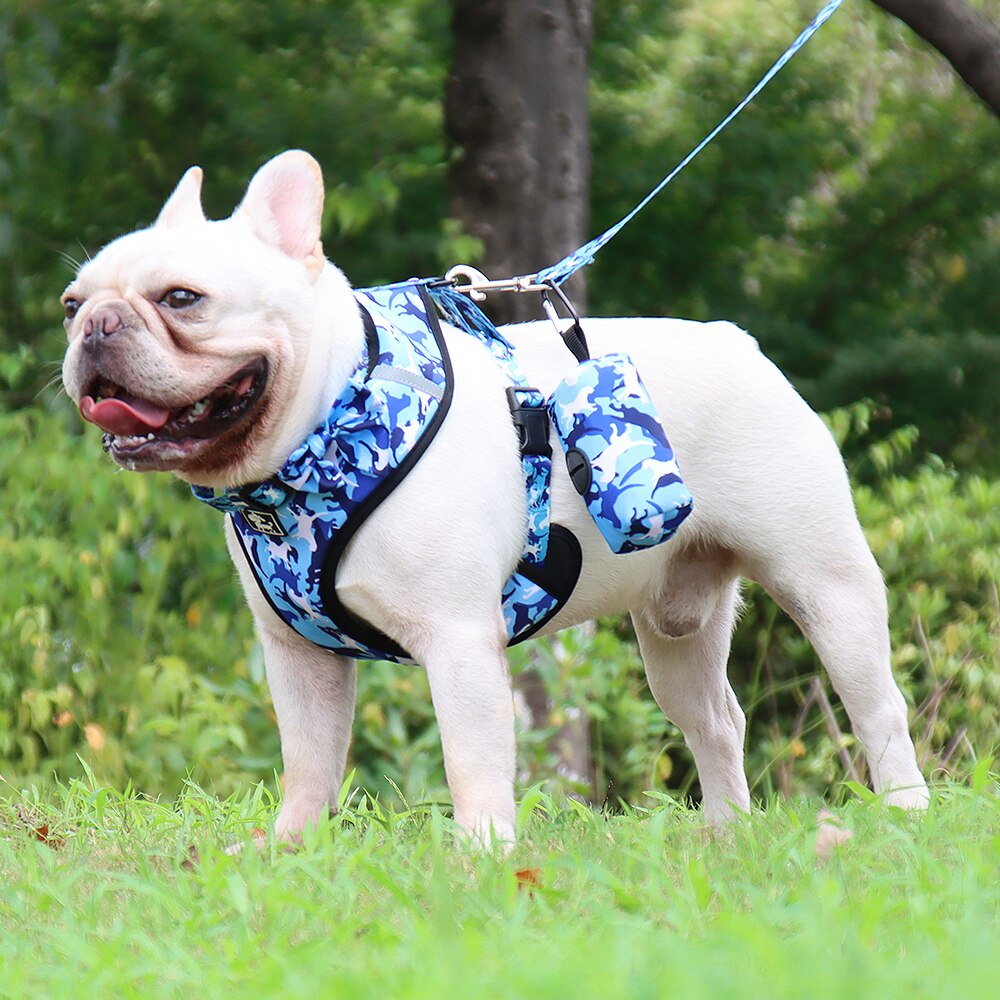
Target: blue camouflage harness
(294, 527)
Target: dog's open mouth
(132, 422)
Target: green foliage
(380, 903)
(597, 695)
(104, 103)
(846, 218)
(123, 639)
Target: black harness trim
(351, 624)
(558, 574)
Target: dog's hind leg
(776, 494)
(835, 593)
(687, 675)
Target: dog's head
(211, 349)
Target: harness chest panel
(294, 527)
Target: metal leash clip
(476, 285)
(471, 281)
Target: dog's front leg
(470, 686)
(313, 693)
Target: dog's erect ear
(183, 207)
(284, 206)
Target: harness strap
(371, 339)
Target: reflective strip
(412, 379)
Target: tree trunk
(516, 109)
(962, 35)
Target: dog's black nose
(105, 321)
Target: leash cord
(569, 265)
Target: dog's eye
(72, 307)
(180, 298)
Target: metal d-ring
(474, 280)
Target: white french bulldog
(213, 348)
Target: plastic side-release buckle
(531, 420)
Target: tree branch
(962, 35)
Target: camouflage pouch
(618, 454)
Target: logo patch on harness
(264, 521)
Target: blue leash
(558, 273)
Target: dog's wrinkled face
(186, 339)
(140, 366)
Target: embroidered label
(264, 522)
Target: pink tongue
(128, 419)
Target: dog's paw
(488, 838)
(915, 798)
(259, 842)
(830, 835)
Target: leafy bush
(123, 637)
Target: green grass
(384, 904)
